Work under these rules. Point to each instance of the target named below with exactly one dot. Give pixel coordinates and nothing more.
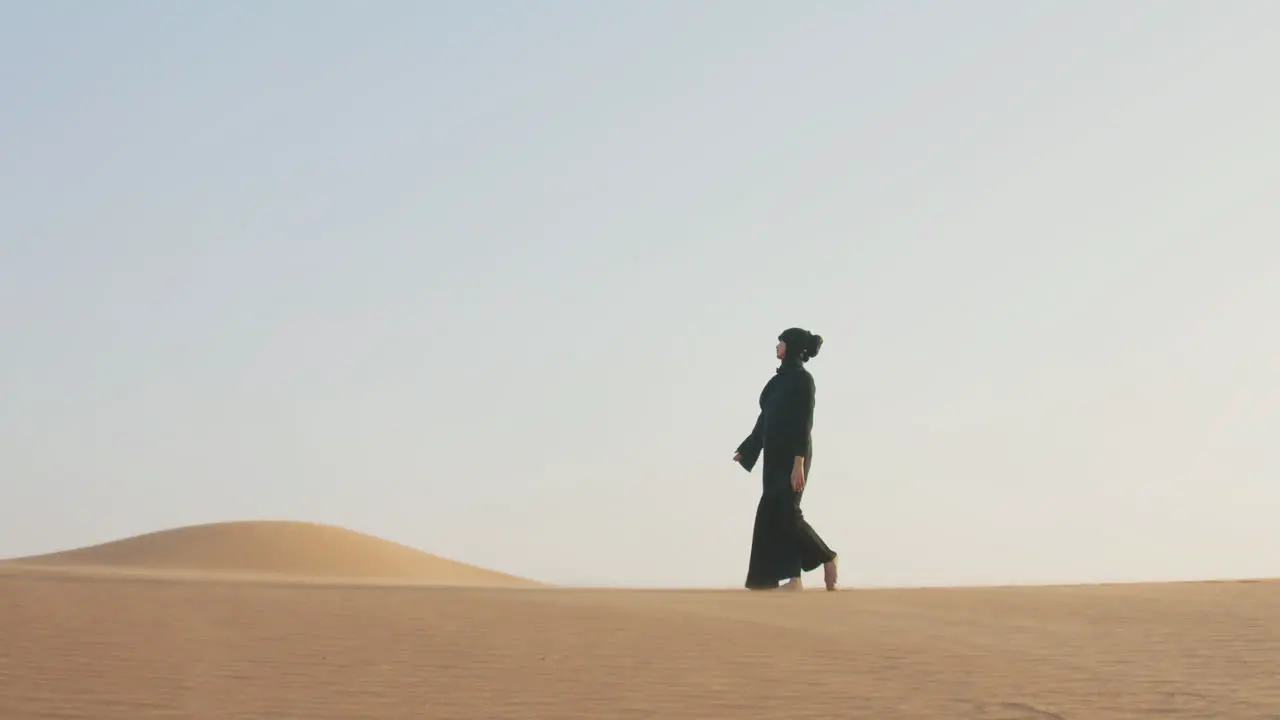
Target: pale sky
(502, 281)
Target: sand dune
(101, 648)
(276, 548)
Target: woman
(783, 543)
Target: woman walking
(783, 543)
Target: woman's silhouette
(783, 543)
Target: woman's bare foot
(793, 584)
(830, 573)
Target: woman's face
(781, 349)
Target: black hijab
(802, 346)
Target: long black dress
(783, 543)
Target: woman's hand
(797, 475)
(737, 457)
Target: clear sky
(502, 281)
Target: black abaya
(783, 543)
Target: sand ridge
(286, 549)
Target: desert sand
(274, 549)
(289, 620)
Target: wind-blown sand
(142, 630)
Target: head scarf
(801, 344)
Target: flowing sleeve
(751, 447)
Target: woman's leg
(760, 574)
(813, 549)
(775, 557)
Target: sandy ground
(101, 644)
